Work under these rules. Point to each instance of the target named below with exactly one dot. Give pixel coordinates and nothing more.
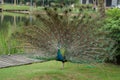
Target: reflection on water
(12, 20)
(9, 23)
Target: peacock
(61, 55)
(66, 36)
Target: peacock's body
(60, 53)
(61, 57)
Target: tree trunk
(101, 7)
(34, 3)
(94, 5)
(14, 2)
(80, 1)
(2, 2)
(62, 65)
(20, 2)
(43, 3)
(87, 1)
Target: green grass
(52, 71)
(15, 7)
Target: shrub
(113, 13)
(112, 27)
(7, 44)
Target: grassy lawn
(52, 71)
(15, 7)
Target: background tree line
(42, 1)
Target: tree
(2, 2)
(43, 2)
(101, 7)
(21, 2)
(15, 2)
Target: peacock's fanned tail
(77, 34)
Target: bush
(113, 13)
(8, 44)
(112, 27)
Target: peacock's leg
(62, 65)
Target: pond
(13, 20)
(9, 23)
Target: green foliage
(8, 45)
(113, 23)
(112, 29)
(113, 13)
(66, 1)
